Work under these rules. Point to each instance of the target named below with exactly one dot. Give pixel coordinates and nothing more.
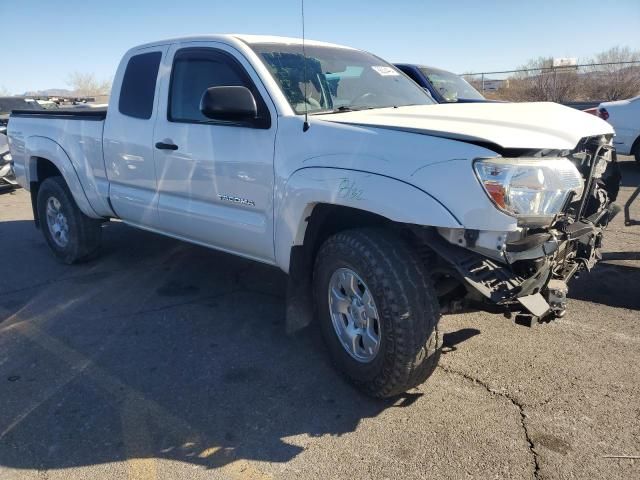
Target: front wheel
(71, 235)
(377, 309)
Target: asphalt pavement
(164, 360)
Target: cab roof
(232, 38)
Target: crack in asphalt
(513, 401)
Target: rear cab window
(138, 88)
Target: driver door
(215, 178)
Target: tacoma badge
(234, 199)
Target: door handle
(166, 146)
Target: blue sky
(45, 40)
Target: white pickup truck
(385, 209)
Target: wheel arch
(46, 159)
(635, 147)
(326, 219)
(320, 202)
(360, 196)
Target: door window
(197, 69)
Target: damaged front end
(526, 272)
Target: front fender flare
(394, 199)
(43, 147)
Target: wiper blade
(341, 109)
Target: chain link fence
(586, 84)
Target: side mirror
(229, 103)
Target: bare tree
(87, 84)
(539, 81)
(4, 91)
(473, 80)
(616, 79)
(610, 75)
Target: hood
(619, 103)
(540, 125)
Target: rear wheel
(71, 235)
(636, 151)
(377, 310)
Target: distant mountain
(50, 92)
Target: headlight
(533, 189)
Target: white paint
(624, 116)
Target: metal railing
(567, 83)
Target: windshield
(338, 79)
(451, 86)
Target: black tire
(84, 233)
(636, 151)
(407, 305)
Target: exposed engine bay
(526, 272)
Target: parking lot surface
(163, 360)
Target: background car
(7, 176)
(624, 116)
(7, 104)
(444, 86)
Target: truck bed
(72, 133)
